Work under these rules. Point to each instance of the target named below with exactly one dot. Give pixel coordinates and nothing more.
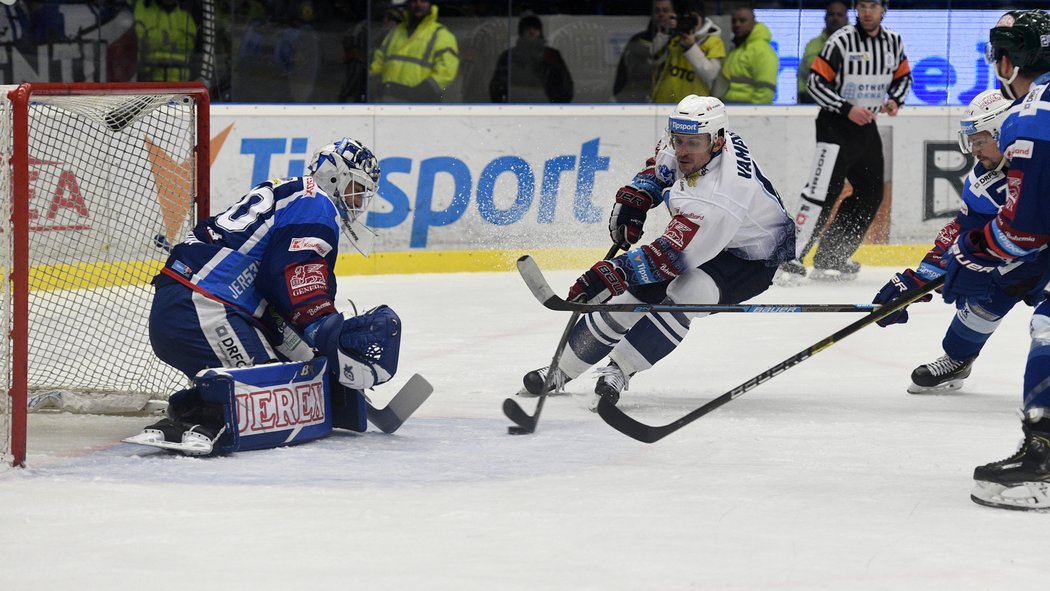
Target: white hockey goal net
(99, 180)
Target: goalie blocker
(277, 404)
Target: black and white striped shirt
(854, 68)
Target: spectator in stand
(689, 52)
(634, 73)
(531, 72)
(835, 18)
(167, 40)
(47, 24)
(356, 50)
(751, 67)
(418, 60)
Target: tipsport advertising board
(458, 177)
(455, 177)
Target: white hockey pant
(637, 341)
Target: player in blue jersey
(1019, 50)
(256, 284)
(984, 192)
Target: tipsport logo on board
(535, 185)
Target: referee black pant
(858, 158)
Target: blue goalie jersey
(275, 247)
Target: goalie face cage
(101, 177)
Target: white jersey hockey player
(727, 235)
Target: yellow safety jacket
(677, 78)
(751, 69)
(430, 53)
(166, 42)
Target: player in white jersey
(728, 233)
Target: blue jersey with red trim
(276, 247)
(1023, 223)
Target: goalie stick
(623, 423)
(541, 289)
(525, 423)
(409, 398)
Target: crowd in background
(474, 51)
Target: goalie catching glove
(362, 351)
(628, 216)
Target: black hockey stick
(619, 420)
(541, 289)
(409, 398)
(523, 421)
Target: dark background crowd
(328, 51)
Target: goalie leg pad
(349, 408)
(270, 405)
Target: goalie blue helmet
(348, 173)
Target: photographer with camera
(688, 52)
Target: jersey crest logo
(306, 279)
(680, 232)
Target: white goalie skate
(195, 440)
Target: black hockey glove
(628, 216)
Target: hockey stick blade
(524, 423)
(635, 429)
(409, 398)
(541, 290)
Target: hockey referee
(860, 72)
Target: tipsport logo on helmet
(684, 126)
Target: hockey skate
(842, 271)
(611, 382)
(534, 380)
(790, 274)
(173, 435)
(943, 375)
(1022, 481)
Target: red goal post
(100, 180)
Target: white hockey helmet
(985, 113)
(698, 114)
(336, 166)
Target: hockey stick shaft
(623, 423)
(542, 291)
(511, 408)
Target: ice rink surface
(830, 476)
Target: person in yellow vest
(417, 61)
(752, 65)
(688, 52)
(834, 19)
(167, 37)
